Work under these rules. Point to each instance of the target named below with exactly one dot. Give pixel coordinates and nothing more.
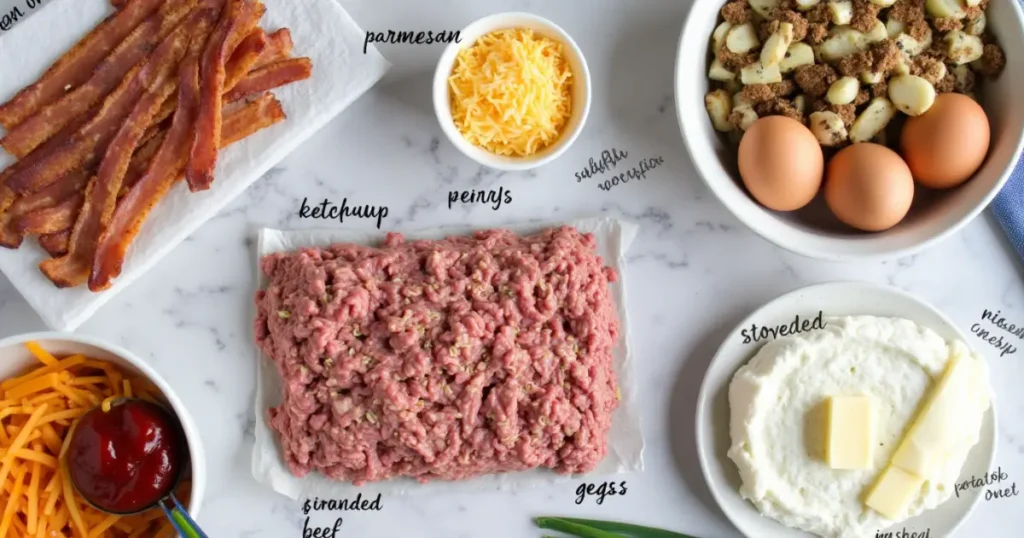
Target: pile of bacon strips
(146, 98)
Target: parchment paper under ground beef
(442, 359)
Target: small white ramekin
(580, 91)
(15, 358)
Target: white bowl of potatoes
(723, 67)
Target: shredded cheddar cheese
(511, 92)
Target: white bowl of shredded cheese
(514, 93)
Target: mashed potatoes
(778, 409)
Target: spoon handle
(183, 523)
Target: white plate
(834, 299)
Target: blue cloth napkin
(1008, 208)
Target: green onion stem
(580, 531)
(634, 531)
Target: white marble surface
(693, 273)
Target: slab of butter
(938, 427)
(933, 434)
(850, 432)
(893, 492)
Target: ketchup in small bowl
(127, 459)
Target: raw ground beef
(442, 359)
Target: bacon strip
(164, 172)
(158, 79)
(52, 219)
(55, 244)
(240, 17)
(244, 58)
(140, 162)
(77, 65)
(272, 76)
(237, 63)
(37, 129)
(279, 47)
(89, 144)
(68, 186)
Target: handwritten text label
(411, 38)
(996, 318)
(607, 489)
(327, 210)
(495, 198)
(756, 332)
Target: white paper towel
(321, 29)
(625, 440)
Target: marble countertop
(693, 273)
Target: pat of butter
(893, 492)
(850, 432)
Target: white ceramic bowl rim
(693, 123)
(195, 445)
(581, 90)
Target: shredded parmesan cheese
(511, 92)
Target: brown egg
(781, 163)
(869, 187)
(946, 145)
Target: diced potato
(965, 78)
(828, 128)
(719, 105)
(775, 47)
(718, 37)
(902, 65)
(739, 100)
(912, 47)
(962, 48)
(843, 42)
(756, 73)
(893, 27)
(972, 3)
(877, 33)
(719, 72)
(843, 91)
(872, 120)
(911, 94)
(977, 26)
(806, 5)
(742, 39)
(883, 3)
(797, 55)
(800, 103)
(945, 8)
(841, 11)
(871, 77)
(764, 7)
(747, 116)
